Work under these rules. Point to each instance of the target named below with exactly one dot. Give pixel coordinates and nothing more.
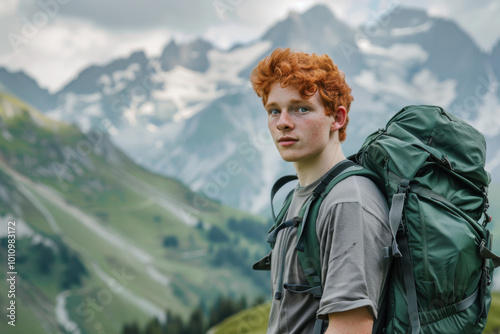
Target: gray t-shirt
(352, 229)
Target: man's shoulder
(357, 197)
(356, 193)
(355, 189)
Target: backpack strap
(409, 283)
(265, 262)
(307, 240)
(277, 186)
(486, 253)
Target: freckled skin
(317, 146)
(312, 128)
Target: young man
(307, 101)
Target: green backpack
(430, 166)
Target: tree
(73, 273)
(153, 327)
(196, 324)
(199, 226)
(216, 234)
(170, 241)
(131, 329)
(45, 258)
(174, 324)
(225, 307)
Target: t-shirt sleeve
(353, 265)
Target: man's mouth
(287, 141)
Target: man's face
(300, 128)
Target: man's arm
(356, 321)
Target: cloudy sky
(52, 40)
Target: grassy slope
(493, 325)
(250, 321)
(254, 320)
(131, 203)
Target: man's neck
(311, 170)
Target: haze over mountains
(95, 218)
(196, 98)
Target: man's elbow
(356, 321)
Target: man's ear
(339, 119)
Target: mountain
(196, 98)
(444, 48)
(99, 92)
(100, 240)
(91, 212)
(22, 85)
(97, 78)
(317, 30)
(192, 56)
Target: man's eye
(274, 112)
(303, 110)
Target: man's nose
(285, 121)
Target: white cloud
(60, 50)
(8, 7)
(478, 19)
(66, 44)
(487, 120)
(424, 88)
(226, 34)
(408, 53)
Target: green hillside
(101, 241)
(250, 321)
(493, 325)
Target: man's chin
(289, 157)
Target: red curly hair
(306, 72)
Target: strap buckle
(404, 186)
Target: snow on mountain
(404, 31)
(447, 46)
(192, 56)
(392, 72)
(189, 90)
(191, 113)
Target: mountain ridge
(150, 104)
